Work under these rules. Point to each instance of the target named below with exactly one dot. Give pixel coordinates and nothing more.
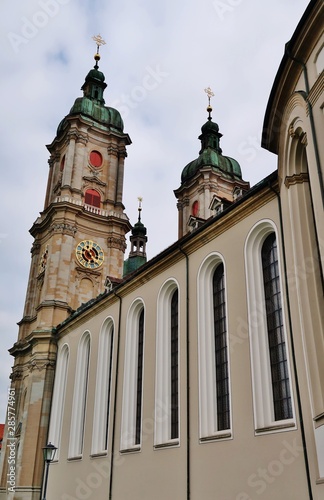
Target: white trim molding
(80, 398)
(162, 424)
(103, 389)
(58, 401)
(128, 423)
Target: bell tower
(209, 183)
(79, 241)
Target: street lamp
(49, 453)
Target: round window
(95, 159)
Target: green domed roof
(92, 104)
(209, 127)
(211, 155)
(95, 74)
(139, 229)
(103, 114)
(210, 158)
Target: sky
(158, 59)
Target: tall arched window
(272, 394)
(214, 382)
(174, 376)
(221, 356)
(80, 398)
(139, 382)
(167, 367)
(276, 337)
(103, 389)
(92, 197)
(133, 379)
(59, 398)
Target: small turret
(138, 239)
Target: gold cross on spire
(99, 41)
(210, 94)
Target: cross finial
(210, 94)
(99, 41)
(140, 199)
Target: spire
(210, 135)
(210, 94)
(99, 41)
(94, 85)
(138, 239)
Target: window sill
(168, 444)
(215, 437)
(73, 459)
(134, 449)
(276, 428)
(99, 454)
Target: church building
(197, 374)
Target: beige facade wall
(241, 467)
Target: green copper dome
(211, 155)
(92, 104)
(95, 74)
(109, 117)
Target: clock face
(89, 254)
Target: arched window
(80, 398)
(174, 366)
(167, 367)
(214, 382)
(272, 394)
(195, 208)
(221, 356)
(133, 379)
(103, 389)
(276, 338)
(139, 383)
(62, 164)
(92, 197)
(59, 398)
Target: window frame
(58, 401)
(208, 421)
(102, 405)
(162, 421)
(128, 436)
(80, 397)
(263, 408)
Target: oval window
(95, 159)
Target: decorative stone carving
(113, 150)
(291, 130)
(64, 228)
(290, 180)
(118, 243)
(16, 374)
(303, 139)
(40, 365)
